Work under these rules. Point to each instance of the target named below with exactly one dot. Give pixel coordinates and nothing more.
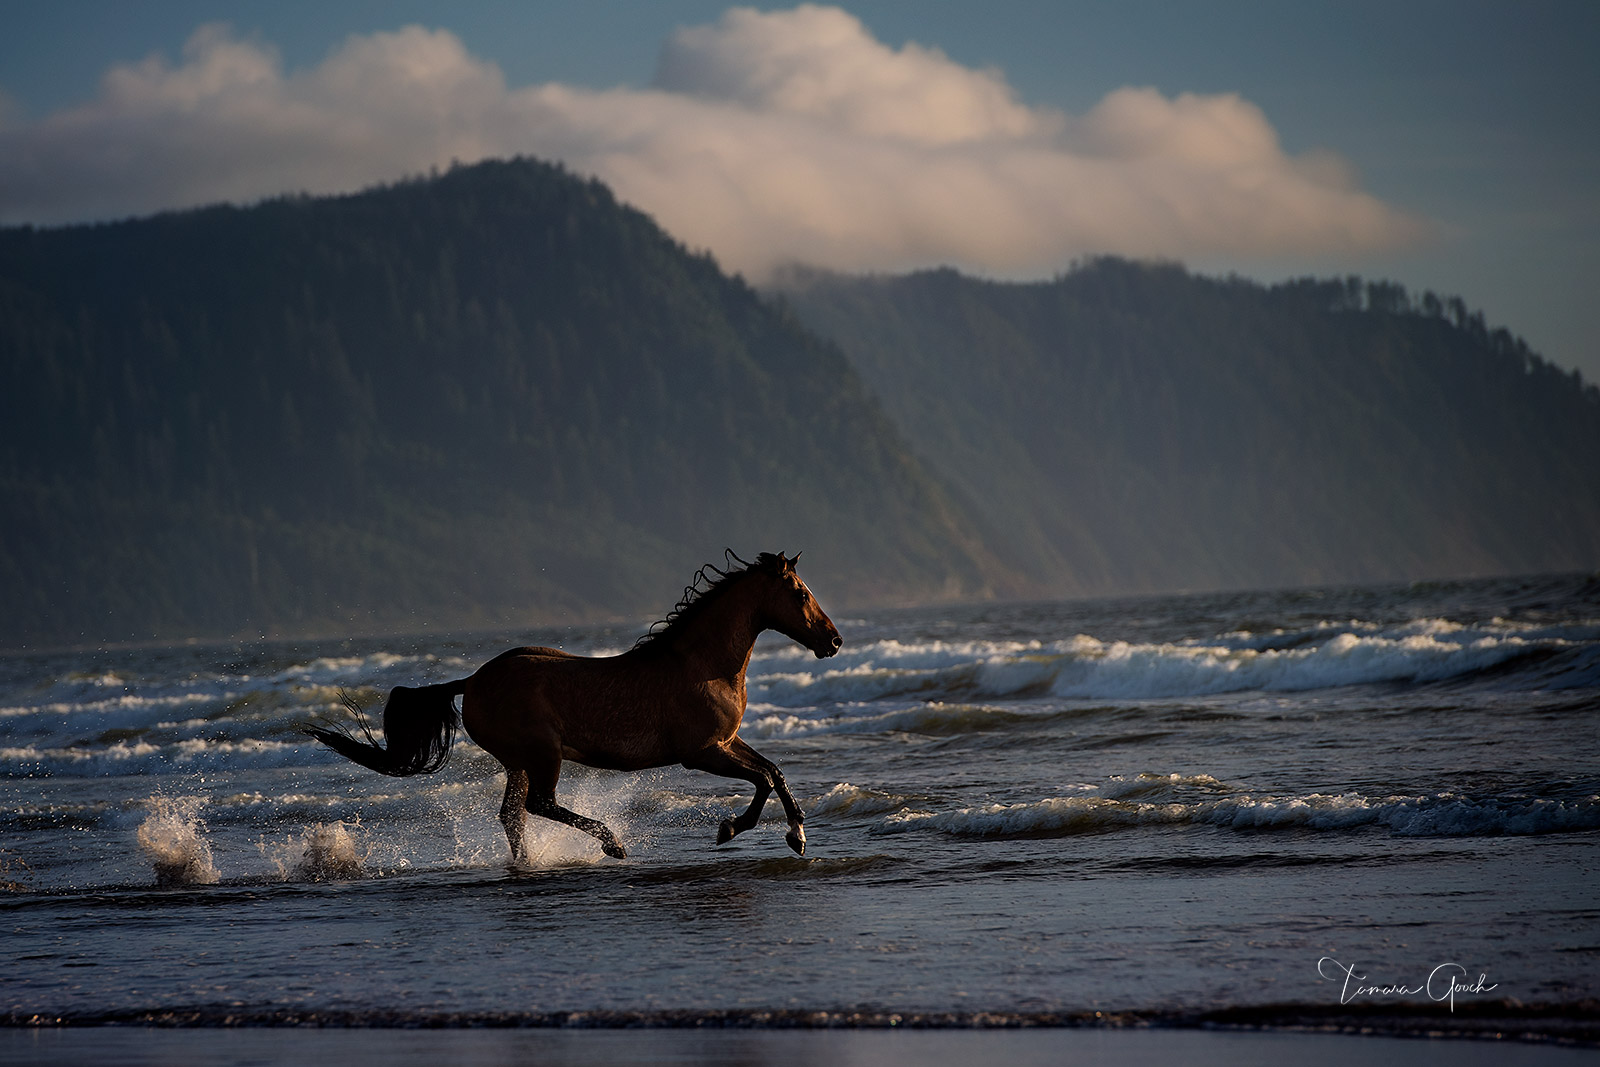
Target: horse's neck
(720, 638)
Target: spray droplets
(323, 852)
(172, 837)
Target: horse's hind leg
(511, 816)
(542, 802)
(546, 807)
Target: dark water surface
(1156, 804)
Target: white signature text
(1443, 983)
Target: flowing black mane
(709, 581)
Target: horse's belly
(614, 761)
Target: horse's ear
(794, 560)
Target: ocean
(1276, 805)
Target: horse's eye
(800, 595)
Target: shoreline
(1572, 1024)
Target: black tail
(419, 724)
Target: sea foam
(1444, 814)
(143, 757)
(1084, 667)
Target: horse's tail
(419, 724)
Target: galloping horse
(677, 696)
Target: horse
(676, 696)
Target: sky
(1451, 146)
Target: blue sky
(1447, 145)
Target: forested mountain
(1135, 427)
(493, 396)
(496, 396)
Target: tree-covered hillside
(1135, 427)
(496, 396)
(493, 396)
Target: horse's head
(792, 610)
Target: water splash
(171, 836)
(607, 796)
(323, 852)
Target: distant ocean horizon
(1307, 801)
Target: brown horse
(677, 696)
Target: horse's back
(503, 699)
(529, 651)
(599, 710)
(516, 670)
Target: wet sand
(110, 1046)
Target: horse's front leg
(796, 837)
(738, 760)
(751, 816)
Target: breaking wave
(1439, 815)
(1085, 668)
(845, 800)
(195, 754)
(934, 718)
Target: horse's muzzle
(829, 648)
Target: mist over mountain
(491, 397)
(499, 397)
(1134, 427)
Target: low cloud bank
(765, 137)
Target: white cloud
(820, 63)
(767, 137)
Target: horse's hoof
(614, 850)
(796, 839)
(725, 832)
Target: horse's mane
(708, 582)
